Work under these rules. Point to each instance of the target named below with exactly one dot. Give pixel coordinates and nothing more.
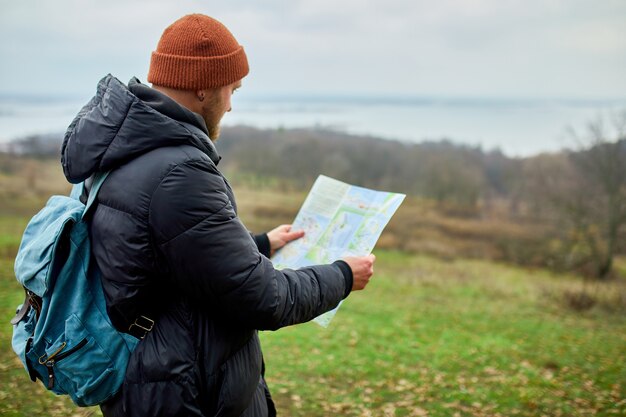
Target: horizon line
(382, 98)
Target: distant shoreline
(518, 127)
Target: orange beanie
(197, 52)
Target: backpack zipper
(57, 356)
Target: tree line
(579, 195)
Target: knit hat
(197, 52)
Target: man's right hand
(362, 270)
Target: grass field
(431, 336)
(427, 338)
(466, 338)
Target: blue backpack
(62, 333)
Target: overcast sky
(470, 48)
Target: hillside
(565, 211)
(435, 336)
(420, 225)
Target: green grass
(11, 228)
(427, 337)
(466, 337)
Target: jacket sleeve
(262, 243)
(215, 261)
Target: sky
(445, 48)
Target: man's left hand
(282, 235)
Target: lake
(519, 127)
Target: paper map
(339, 220)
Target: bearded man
(180, 270)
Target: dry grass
(26, 183)
(440, 336)
(420, 226)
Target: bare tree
(582, 193)
(600, 207)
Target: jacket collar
(120, 123)
(170, 108)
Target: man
(180, 271)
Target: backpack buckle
(31, 300)
(142, 326)
(21, 313)
(35, 302)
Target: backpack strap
(30, 300)
(97, 181)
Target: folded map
(339, 220)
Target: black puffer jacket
(171, 248)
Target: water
(22, 116)
(517, 127)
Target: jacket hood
(120, 123)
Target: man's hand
(362, 270)
(282, 235)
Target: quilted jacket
(173, 251)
